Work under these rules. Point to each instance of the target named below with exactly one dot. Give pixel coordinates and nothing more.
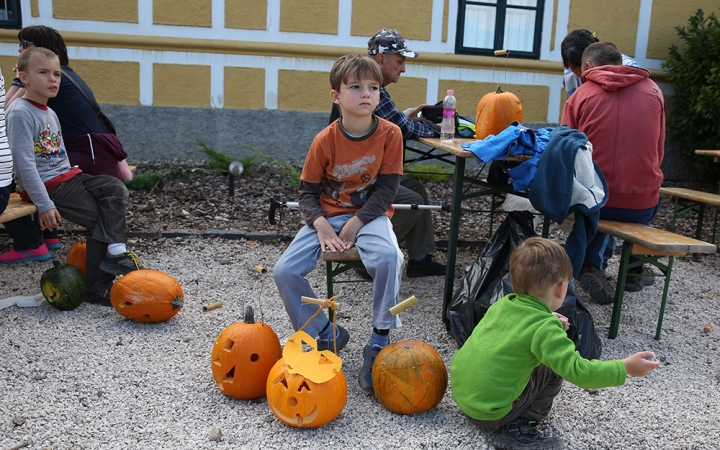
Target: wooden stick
(211, 306)
(501, 52)
(403, 305)
(316, 301)
(260, 269)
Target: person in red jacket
(622, 112)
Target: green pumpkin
(63, 286)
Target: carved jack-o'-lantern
(409, 377)
(242, 357)
(306, 389)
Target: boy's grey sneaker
(596, 286)
(365, 375)
(99, 298)
(328, 344)
(121, 264)
(522, 433)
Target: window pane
(532, 3)
(519, 30)
(479, 26)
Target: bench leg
(620, 290)
(329, 281)
(701, 214)
(667, 272)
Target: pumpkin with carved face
(306, 389)
(409, 377)
(242, 357)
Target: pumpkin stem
(177, 302)
(249, 315)
(498, 90)
(57, 263)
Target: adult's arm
(12, 94)
(410, 129)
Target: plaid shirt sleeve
(410, 129)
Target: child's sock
(116, 249)
(380, 338)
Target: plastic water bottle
(447, 128)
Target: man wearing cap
(389, 50)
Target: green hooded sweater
(517, 334)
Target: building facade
(255, 72)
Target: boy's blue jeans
(602, 247)
(379, 251)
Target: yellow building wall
(34, 8)
(103, 10)
(248, 14)
(412, 18)
(193, 13)
(611, 20)
(6, 65)
(181, 85)
(666, 15)
(409, 92)
(244, 88)
(304, 91)
(468, 94)
(111, 82)
(309, 16)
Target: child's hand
(348, 234)
(563, 320)
(50, 219)
(329, 240)
(638, 366)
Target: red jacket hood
(612, 78)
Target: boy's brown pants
(535, 401)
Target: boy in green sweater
(513, 365)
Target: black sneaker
(343, 337)
(99, 298)
(425, 267)
(121, 264)
(596, 286)
(363, 273)
(642, 277)
(522, 433)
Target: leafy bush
(694, 72)
(150, 180)
(429, 173)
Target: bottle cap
(450, 92)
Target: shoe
(425, 267)
(34, 254)
(121, 264)
(53, 243)
(642, 277)
(327, 344)
(596, 286)
(522, 433)
(99, 298)
(362, 273)
(365, 375)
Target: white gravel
(88, 378)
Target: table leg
(453, 233)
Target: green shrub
(150, 180)
(429, 173)
(694, 72)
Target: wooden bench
(337, 263)
(687, 200)
(648, 245)
(16, 207)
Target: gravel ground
(88, 378)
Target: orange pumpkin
(299, 402)
(242, 357)
(76, 256)
(409, 377)
(495, 111)
(147, 296)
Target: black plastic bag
(489, 280)
(482, 285)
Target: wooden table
(714, 153)
(453, 153)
